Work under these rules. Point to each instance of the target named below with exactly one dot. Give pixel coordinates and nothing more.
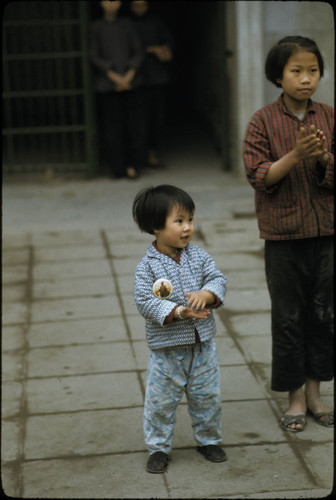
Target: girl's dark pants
(122, 130)
(299, 276)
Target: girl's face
(139, 7)
(178, 231)
(300, 79)
(110, 8)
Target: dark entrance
(47, 115)
(48, 107)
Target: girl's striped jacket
(301, 204)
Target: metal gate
(48, 116)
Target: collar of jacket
(156, 254)
(311, 108)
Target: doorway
(198, 96)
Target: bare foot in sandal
(294, 418)
(321, 413)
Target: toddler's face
(178, 231)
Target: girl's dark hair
(280, 53)
(152, 205)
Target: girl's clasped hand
(311, 145)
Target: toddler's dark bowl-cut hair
(279, 54)
(152, 205)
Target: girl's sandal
(325, 418)
(288, 420)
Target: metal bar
(91, 149)
(43, 97)
(44, 22)
(42, 93)
(42, 55)
(46, 130)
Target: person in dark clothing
(116, 56)
(156, 68)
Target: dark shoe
(212, 452)
(157, 463)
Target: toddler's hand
(188, 312)
(198, 300)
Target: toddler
(177, 284)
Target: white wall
(252, 28)
(310, 19)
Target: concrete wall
(233, 39)
(251, 29)
(311, 19)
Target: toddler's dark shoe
(212, 452)
(157, 462)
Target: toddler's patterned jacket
(196, 271)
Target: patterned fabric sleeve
(325, 174)
(214, 280)
(257, 154)
(149, 306)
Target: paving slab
(77, 287)
(79, 393)
(83, 307)
(74, 355)
(249, 469)
(136, 326)
(248, 300)
(14, 274)
(78, 331)
(10, 441)
(257, 323)
(11, 365)
(12, 337)
(10, 400)
(69, 252)
(41, 237)
(70, 269)
(14, 312)
(309, 493)
(14, 256)
(13, 292)
(263, 424)
(107, 476)
(80, 359)
(96, 432)
(237, 261)
(257, 349)
(15, 238)
(247, 279)
(126, 266)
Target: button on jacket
(196, 271)
(301, 204)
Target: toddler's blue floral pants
(193, 370)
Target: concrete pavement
(74, 356)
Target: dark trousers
(156, 97)
(121, 130)
(300, 276)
